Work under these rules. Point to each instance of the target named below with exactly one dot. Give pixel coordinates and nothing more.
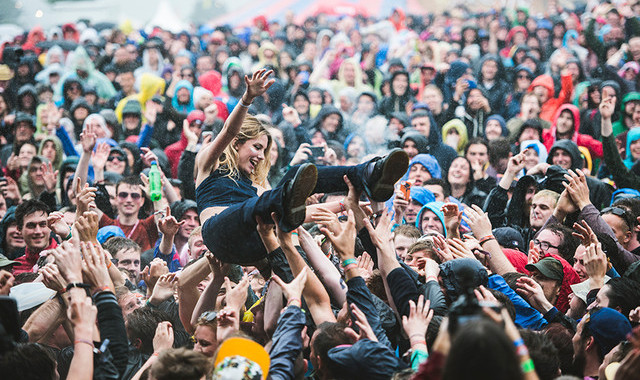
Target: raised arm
(207, 158)
(481, 227)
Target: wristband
(295, 300)
(294, 234)
(348, 262)
(241, 103)
(434, 278)
(528, 366)
(486, 239)
(420, 342)
(342, 208)
(90, 343)
(522, 350)
(68, 236)
(78, 285)
(109, 263)
(101, 289)
(518, 342)
(155, 354)
(350, 266)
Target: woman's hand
(257, 85)
(302, 155)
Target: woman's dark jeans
(231, 235)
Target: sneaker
(379, 185)
(295, 197)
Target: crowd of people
(437, 196)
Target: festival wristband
(349, 267)
(528, 366)
(90, 343)
(486, 239)
(348, 262)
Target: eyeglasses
(125, 195)
(116, 157)
(544, 246)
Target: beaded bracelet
(348, 262)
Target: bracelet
(528, 366)
(518, 342)
(522, 350)
(419, 335)
(349, 267)
(420, 342)
(78, 285)
(486, 239)
(101, 289)
(348, 262)
(294, 233)
(434, 278)
(295, 299)
(155, 354)
(90, 343)
(241, 103)
(342, 207)
(109, 263)
(68, 236)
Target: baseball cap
(241, 358)
(196, 116)
(4, 261)
(608, 327)
(178, 208)
(509, 237)
(549, 267)
(31, 294)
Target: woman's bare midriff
(209, 212)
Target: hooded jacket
(548, 109)
(434, 207)
(340, 133)
(497, 93)
(339, 84)
(421, 142)
(150, 85)
(452, 275)
(632, 136)
(396, 102)
(599, 192)
(459, 126)
(500, 120)
(549, 135)
(59, 152)
(27, 90)
(619, 126)
(182, 107)
(428, 161)
(81, 61)
(443, 153)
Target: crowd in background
(509, 250)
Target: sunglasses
(125, 195)
(208, 316)
(116, 157)
(619, 212)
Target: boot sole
(395, 166)
(303, 184)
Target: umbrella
(64, 44)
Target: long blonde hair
(251, 129)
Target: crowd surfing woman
(232, 173)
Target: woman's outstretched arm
(207, 158)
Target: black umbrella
(64, 44)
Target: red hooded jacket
(548, 109)
(549, 135)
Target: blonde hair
(251, 129)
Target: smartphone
(472, 84)
(207, 133)
(317, 152)
(405, 187)
(304, 77)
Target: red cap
(196, 116)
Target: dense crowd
(438, 196)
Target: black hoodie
(498, 92)
(395, 102)
(340, 133)
(443, 153)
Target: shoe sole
(395, 167)
(303, 184)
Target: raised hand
(399, 206)
(168, 225)
(88, 139)
(68, 259)
(366, 332)
(191, 136)
(484, 295)
(82, 315)
(535, 254)
(365, 263)
(302, 155)
(442, 249)
(55, 221)
(293, 290)
(452, 219)
(459, 250)
(218, 268)
(607, 108)
(164, 288)
(50, 177)
(151, 273)
(94, 267)
(163, 339)
(148, 156)
(596, 265)
(381, 234)
(564, 206)
(533, 293)
(583, 232)
(150, 112)
(85, 197)
(290, 115)
(478, 220)
(87, 226)
(100, 156)
(577, 188)
(516, 163)
(54, 114)
(258, 84)
(343, 242)
(325, 218)
(236, 296)
(417, 323)
(52, 278)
